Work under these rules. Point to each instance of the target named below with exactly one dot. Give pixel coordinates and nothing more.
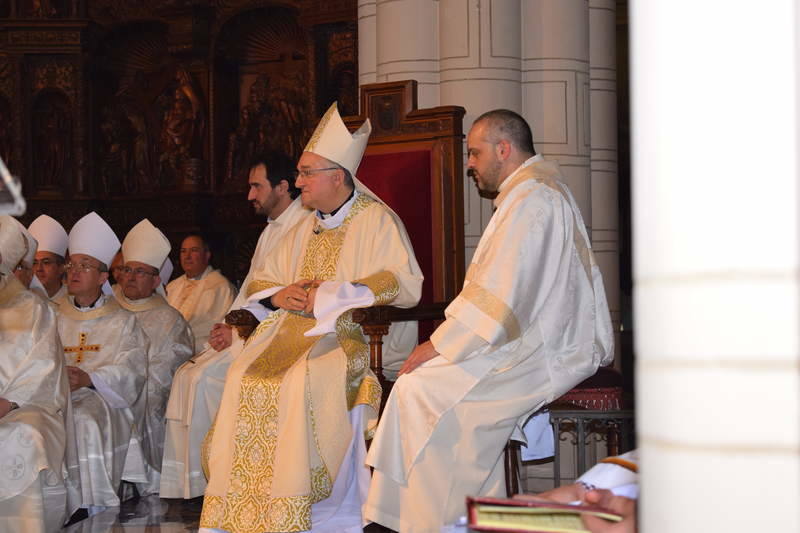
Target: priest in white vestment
(106, 355)
(286, 452)
(48, 263)
(34, 392)
(144, 251)
(530, 323)
(197, 387)
(202, 294)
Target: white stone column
(367, 42)
(716, 266)
(479, 59)
(555, 88)
(603, 160)
(407, 45)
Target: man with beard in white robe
(34, 393)
(530, 323)
(106, 353)
(202, 294)
(286, 452)
(198, 384)
(144, 250)
(48, 263)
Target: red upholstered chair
(414, 162)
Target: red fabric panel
(403, 181)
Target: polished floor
(149, 514)
(152, 514)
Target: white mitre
(13, 244)
(93, 237)
(165, 273)
(146, 244)
(33, 245)
(51, 235)
(333, 141)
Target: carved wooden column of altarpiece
(153, 108)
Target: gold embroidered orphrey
(81, 348)
(248, 506)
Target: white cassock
(530, 323)
(33, 439)
(203, 301)
(170, 345)
(286, 452)
(106, 342)
(60, 293)
(197, 386)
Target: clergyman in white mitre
(33, 400)
(145, 250)
(304, 373)
(106, 353)
(48, 263)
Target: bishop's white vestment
(198, 384)
(202, 301)
(170, 345)
(33, 439)
(530, 323)
(301, 395)
(106, 342)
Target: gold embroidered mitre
(333, 141)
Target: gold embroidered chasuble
(282, 429)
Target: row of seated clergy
(197, 385)
(121, 351)
(38, 455)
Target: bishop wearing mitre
(106, 356)
(144, 251)
(286, 452)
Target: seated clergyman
(144, 250)
(33, 400)
(287, 449)
(106, 356)
(202, 294)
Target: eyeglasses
(308, 172)
(83, 267)
(20, 267)
(138, 272)
(45, 262)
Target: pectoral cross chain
(81, 348)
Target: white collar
(202, 275)
(336, 220)
(528, 162)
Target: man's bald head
(503, 124)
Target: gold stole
(250, 505)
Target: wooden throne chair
(414, 162)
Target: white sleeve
(334, 298)
(111, 397)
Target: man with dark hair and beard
(198, 384)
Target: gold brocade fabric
(249, 505)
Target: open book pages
(498, 514)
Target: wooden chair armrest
(375, 322)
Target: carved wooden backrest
(414, 163)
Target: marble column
(479, 58)
(717, 256)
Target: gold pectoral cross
(81, 348)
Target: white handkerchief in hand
(334, 298)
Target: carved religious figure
(182, 128)
(52, 127)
